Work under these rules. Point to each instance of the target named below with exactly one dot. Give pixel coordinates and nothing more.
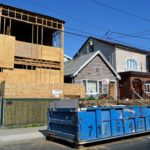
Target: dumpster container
(85, 125)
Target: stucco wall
(123, 54)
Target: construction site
(31, 66)
(32, 56)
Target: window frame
(131, 64)
(85, 83)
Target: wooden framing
(31, 54)
(30, 17)
(32, 66)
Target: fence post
(1, 111)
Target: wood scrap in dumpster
(110, 103)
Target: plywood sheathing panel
(28, 50)
(7, 50)
(27, 76)
(42, 90)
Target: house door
(112, 90)
(137, 85)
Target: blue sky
(87, 18)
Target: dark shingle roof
(74, 65)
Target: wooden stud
(10, 26)
(0, 23)
(4, 28)
(30, 15)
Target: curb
(21, 137)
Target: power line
(84, 32)
(66, 15)
(107, 33)
(111, 39)
(120, 10)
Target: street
(142, 142)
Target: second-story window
(109, 59)
(131, 64)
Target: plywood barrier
(42, 90)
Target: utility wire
(77, 19)
(81, 35)
(111, 39)
(120, 10)
(65, 15)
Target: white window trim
(129, 68)
(116, 89)
(147, 86)
(87, 86)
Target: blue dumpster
(86, 125)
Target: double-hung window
(131, 64)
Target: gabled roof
(127, 47)
(73, 67)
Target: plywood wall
(7, 50)
(29, 50)
(42, 90)
(27, 76)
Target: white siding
(122, 55)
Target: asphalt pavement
(138, 143)
(34, 139)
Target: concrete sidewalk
(21, 134)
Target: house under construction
(31, 54)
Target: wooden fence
(22, 112)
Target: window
(109, 59)
(131, 64)
(92, 86)
(147, 87)
(91, 48)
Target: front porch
(134, 85)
